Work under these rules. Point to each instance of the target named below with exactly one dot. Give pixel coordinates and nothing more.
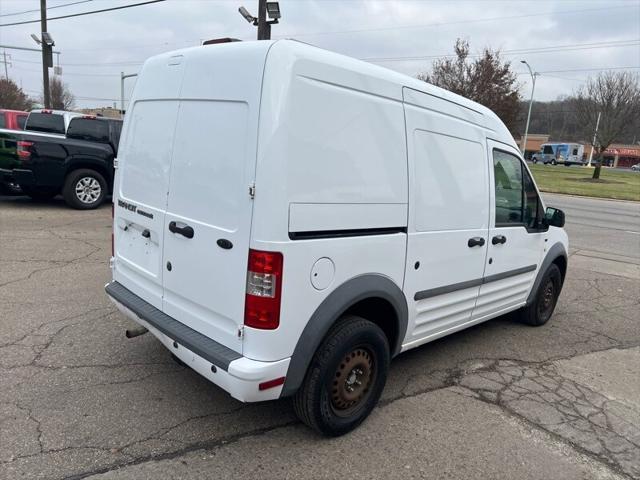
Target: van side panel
(449, 206)
(331, 153)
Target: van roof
(386, 78)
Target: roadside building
(621, 155)
(534, 141)
(109, 112)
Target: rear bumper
(6, 176)
(24, 177)
(238, 375)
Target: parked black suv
(78, 165)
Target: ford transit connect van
(287, 220)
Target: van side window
(517, 201)
(508, 182)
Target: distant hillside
(557, 119)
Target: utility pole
(45, 55)
(265, 9)
(6, 72)
(264, 29)
(595, 135)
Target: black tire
(541, 309)
(94, 193)
(40, 193)
(553, 162)
(345, 378)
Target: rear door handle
(475, 242)
(185, 231)
(498, 239)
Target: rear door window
(91, 129)
(45, 122)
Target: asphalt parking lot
(500, 400)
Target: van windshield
(548, 149)
(45, 122)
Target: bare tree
(12, 97)
(61, 96)
(487, 80)
(615, 96)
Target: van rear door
(142, 180)
(208, 222)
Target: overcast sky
(566, 40)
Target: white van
(288, 219)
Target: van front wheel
(541, 309)
(345, 379)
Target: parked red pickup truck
(13, 119)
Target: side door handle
(185, 231)
(498, 239)
(475, 242)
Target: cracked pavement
(499, 400)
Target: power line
(48, 8)
(458, 22)
(598, 69)
(549, 49)
(84, 13)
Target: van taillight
(23, 149)
(264, 289)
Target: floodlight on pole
(36, 39)
(273, 10)
(247, 16)
(265, 9)
(48, 39)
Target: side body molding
(330, 310)
(557, 250)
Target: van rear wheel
(345, 379)
(84, 189)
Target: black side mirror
(554, 217)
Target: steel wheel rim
(547, 300)
(88, 190)
(352, 381)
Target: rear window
(45, 122)
(91, 129)
(22, 121)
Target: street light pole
(45, 60)
(122, 77)
(264, 29)
(593, 143)
(533, 89)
